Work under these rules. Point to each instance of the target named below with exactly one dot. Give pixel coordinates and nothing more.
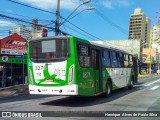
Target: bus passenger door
(97, 70)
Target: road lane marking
(155, 87)
(148, 84)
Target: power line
(26, 17)
(66, 19)
(79, 32)
(31, 6)
(51, 13)
(21, 20)
(15, 19)
(111, 22)
(122, 30)
(81, 29)
(104, 17)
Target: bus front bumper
(55, 90)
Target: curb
(14, 91)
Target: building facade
(22, 30)
(132, 46)
(139, 28)
(38, 30)
(155, 40)
(156, 33)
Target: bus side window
(114, 61)
(94, 59)
(83, 52)
(120, 59)
(106, 61)
(130, 60)
(126, 60)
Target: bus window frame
(79, 54)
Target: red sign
(44, 32)
(14, 44)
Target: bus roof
(109, 46)
(88, 41)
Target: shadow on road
(77, 101)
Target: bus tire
(108, 90)
(130, 87)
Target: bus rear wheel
(108, 89)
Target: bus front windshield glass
(52, 49)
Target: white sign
(4, 58)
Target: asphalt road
(144, 97)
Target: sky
(108, 21)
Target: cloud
(111, 4)
(7, 24)
(52, 4)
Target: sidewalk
(147, 75)
(140, 76)
(14, 90)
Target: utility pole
(57, 19)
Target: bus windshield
(50, 49)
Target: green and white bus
(67, 65)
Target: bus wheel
(108, 89)
(131, 84)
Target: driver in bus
(48, 56)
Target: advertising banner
(148, 55)
(147, 59)
(13, 45)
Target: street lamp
(90, 8)
(85, 2)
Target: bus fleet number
(39, 67)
